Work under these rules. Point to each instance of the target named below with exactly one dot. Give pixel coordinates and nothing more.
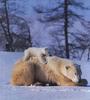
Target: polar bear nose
(76, 78)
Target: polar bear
(57, 70)
(40, 53)
(63, 67)
(22, 73)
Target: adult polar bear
(63, 68)
(57, 70)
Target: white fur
(59, 66)
(35, 52)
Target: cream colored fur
(22, 73)
(31, 71)
(40, 53)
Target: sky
(48, 3)
(39, 30)
(86, 13)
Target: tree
(13, 25)
(6, 26)
(64, 15)
(66, 27)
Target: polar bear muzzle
(71, 73)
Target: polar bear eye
(67, 67)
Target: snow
(9, 92)
(44, 93)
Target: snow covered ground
(8, 92)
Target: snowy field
(9, 92)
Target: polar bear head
(69, 70)
(65, 67)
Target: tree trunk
(66, 28)
(29, 37)
(10, 39)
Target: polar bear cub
(40, 53)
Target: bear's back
(55, 61)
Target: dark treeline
(68, 42)
(66, 39)
(9, 21)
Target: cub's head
(40, 53)
(70, 71)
